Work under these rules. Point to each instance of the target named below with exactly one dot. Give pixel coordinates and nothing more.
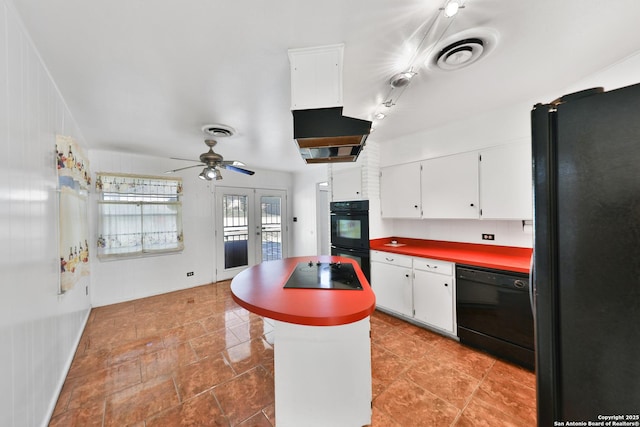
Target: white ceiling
(145, 76)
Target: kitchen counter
(322, 344)
(260, 290)
(490, 256)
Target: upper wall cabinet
(346, 184)
(450, 186)
(505, 182)
(400, 191)
(316, 77)
(493, 183)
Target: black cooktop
(324, 275)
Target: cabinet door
(433, 299)
(505, 182)
(346, 184)
(400, 191)
(392, 286)
(450, 186)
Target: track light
(402, 79)
(451, 8)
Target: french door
(250, 228)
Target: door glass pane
(235, 230)
(271, 226)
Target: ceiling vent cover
(462, 49)
(218, 131)
(460, 54)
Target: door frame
(254, 229)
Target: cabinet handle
(406, 275)
(415, 206)
(388, 259)
(471, 205)
(446, 284)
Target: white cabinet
(400, 191)
(346, 184)
(450, 186)
(493, 183)
(316, 77)
(419, 289)
(433, 296)
(391, 281)
(506, 182)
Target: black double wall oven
(350, 232)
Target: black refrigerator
(586, 264)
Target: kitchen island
(322, 345)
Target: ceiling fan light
(203, 174)
(218, 175)
(209, 173)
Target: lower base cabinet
(393, 282)
(418, 289)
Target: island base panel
(323, 374)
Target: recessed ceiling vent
(462, 49)
(218, 131)
(460, 54)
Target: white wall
(502, 126)
(39, 330)
(304, 231)
(126, 279)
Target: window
(138, 215)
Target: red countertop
(499, 257)
(260, 290)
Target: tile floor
(196, 358)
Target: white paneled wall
(304, 231)
(39, 329)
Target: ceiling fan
(212, 163)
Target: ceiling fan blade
(187, 167)
(237, 169)
(232, 163)
(187, 160)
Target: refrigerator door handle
(531, 281)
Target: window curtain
(138, 215)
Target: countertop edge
(507, 258)
(280, 271)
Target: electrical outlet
(488, 237)
(190, 273)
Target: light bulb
(451, 8)
(210, 173)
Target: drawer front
(391, 258)
(433, 265)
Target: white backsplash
(507, 233)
